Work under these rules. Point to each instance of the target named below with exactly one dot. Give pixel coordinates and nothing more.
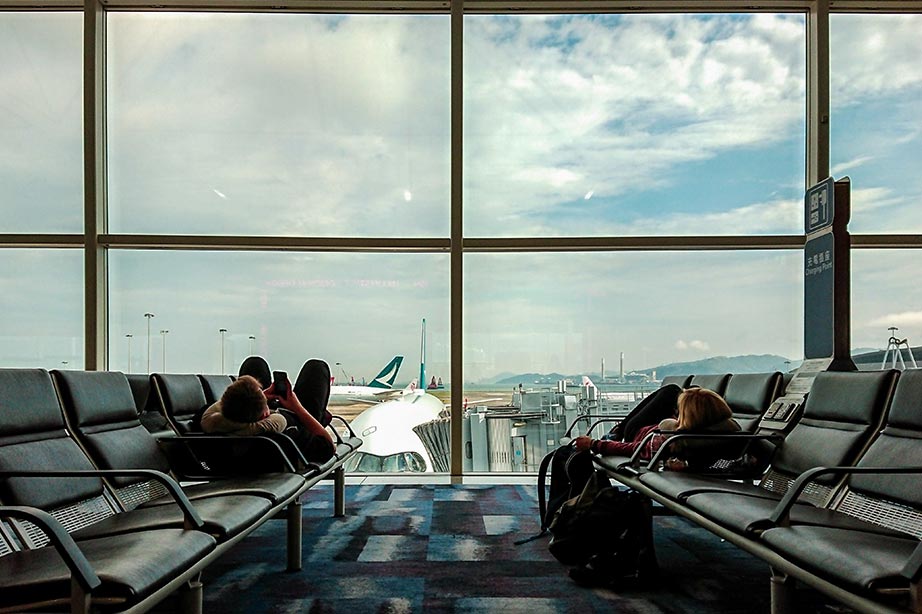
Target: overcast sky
(323, 125)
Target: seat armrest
(345, 424)
(780, 517)
(191, 518)
(63, 543)
(599, 419)
(677, 437)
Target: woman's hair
(243, 400)
(700, 407)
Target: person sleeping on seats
(698, 410)
(244, 410)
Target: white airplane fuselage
(347, 395)
(387, 428)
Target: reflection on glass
(255, 124)
(42, 307)
(624, 321)
(41, 123)
(634, 124)
(876, 96)
(356, 312)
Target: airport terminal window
(574, 125)
(876, 97)
(42, 306)
(294, 124)
(356, 311)
(41, 122)
(535, 319)
(634, 124)
(885, 293)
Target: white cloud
(873, 56)
(839, 169)
(694, 344)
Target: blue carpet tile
(451, 549)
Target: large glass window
(624, 320)
(885, 294)
(41, 299)
(876, 138)
(254, 124)
(41, 120)
(210, 310)
(634, 124)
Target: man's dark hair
(243, 400)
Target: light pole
(223, 332)
(163, 334)
(148, 316)
(129, 336)
(252, 343)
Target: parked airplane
(379, 389)
(388, 441)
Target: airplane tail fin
(385, 379)
(587, 382)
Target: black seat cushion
(223, 516)
(749, 395)
(275, 487)
(856, 559)
(745, 514)
(717, 383)
(181, 398)
(214, 386)
(131, 566)
(843, 411)
(100, 410)
(679, 485)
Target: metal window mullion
(457, 235)
(817, 93)
(94, 186)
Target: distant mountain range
(750, 363)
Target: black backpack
(569, 470)
(604, 523)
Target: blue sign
(818, 206)
(819, 303)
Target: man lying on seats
(243, 409)
(695, 410)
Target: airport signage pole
(827, 334)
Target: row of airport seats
(839, 507)
(749, 395)
(98, 513)
(169, 402)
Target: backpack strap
(542, 489)
(542, 498)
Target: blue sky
(339, 126)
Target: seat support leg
(294, 523)
(783, 594)
(190, 597)
(79, 599)
(339, 492)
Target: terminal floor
(449, 548)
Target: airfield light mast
(422, 357)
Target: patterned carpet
(450, 549)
